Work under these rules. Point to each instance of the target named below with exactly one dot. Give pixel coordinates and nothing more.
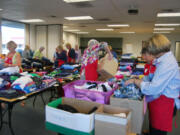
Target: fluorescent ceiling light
(1, 9)
(82, 32)
(72, 30)
(104, 29)
(32, 20)
(72, 1)
(168, 14)
(128, 32)
(168, 24)
(118, 25)
(79, 18)
(161, 32)
(65, 26)
(163, 28)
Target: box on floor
(71, 123)
(138, 111)
(106, 123)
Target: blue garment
(166, 79)
(114, 54)
(66, 66)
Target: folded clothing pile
(9, 70)
(130, 91)
(10, 94)
(93, 86)
(4, 84)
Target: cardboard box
(71, 123)
(137, 108)
(106, 123)
(107, 68)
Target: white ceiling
(115, 10)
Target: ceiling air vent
(103, 19)
(168, 10)
(82, 4)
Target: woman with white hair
(13, 58)
(90, 59)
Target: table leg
(34, 101)
(10, 108)
(43, 99)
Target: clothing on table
(93, 86)
(90, 61)
(37, 55)
(10, 94)
(130, 91)
(10, 70)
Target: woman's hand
(130, 81)
(137, 82)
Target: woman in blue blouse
(163, 90)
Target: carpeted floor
(31, 121)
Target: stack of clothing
(130, 91)
(65, 71)
(126, 65)
(31, 82)
(138, 70)
(36, 63)
(10, 93)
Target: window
(13, 31)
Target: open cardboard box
(106, 123)
(138, 111)
(71, 123)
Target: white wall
(32, 37)
(49, 36)
(71, 38)
(53, 39)
(136, 41)
(41, 38)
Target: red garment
(161, 113)
(70, 60)
(149, 68)
(8, 60)
(91, 71)
(60, 62)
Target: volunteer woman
(71, 53)
(13, 58)
(90, 59)
(60, 56)
(163, 91)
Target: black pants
(154, 131)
